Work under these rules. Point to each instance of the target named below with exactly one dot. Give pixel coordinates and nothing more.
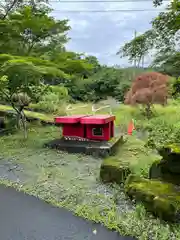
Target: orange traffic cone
(131, 128)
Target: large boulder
(171, 155)
(168, 168)
(162, 199)
(159, 170)
(114, 170)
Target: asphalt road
(24, 217)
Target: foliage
(137, 48)
(167, 25)
(168, 63)
(15, 86)
(22, 82)
(147, 89)
(163, 132)
(33, 33)
(27, 30)
(49, 103)
(163, 38)
(94, 61)
(53, 101)
(157, 2)
(8, 6)
(108, 81)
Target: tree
(168, 63)
(9, 6)
(157, 2)
(108, 81)
(33, 33)
(163, 38)
(94, 62)
(137, 48)
(167, 25)
(21, 82)
(28, 31)
(148, 89)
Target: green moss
(131, 156)
(160, 198)
(175, 148)
(113, 170)
(170, 150)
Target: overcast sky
(103, 33)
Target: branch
(9, 9)
(9, 99)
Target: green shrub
(160, 198)
(50, 103)
(164, 128)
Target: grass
(137, 156)
(123, 113)
(31, 114)
(72, 181)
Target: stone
(162, 199)
(113, 170)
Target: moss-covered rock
(168, 168)
(114, 170)
(160, 170)
(171, 154)
(162, 199)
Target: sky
(102, 34)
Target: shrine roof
(97, 119)
(68, 119)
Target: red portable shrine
(89, 134)
(99, 127)
(71, 125)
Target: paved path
(23, 217)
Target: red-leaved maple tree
(148, 89)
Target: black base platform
(95, 148)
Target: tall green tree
(33, 33)
(95, 63)
(28, 31)
(163, 39)
(168, 63)
(22, 81)
(137, 48)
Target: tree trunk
(18, 120)
(21, 120)
(24, 124)
(148, 110)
